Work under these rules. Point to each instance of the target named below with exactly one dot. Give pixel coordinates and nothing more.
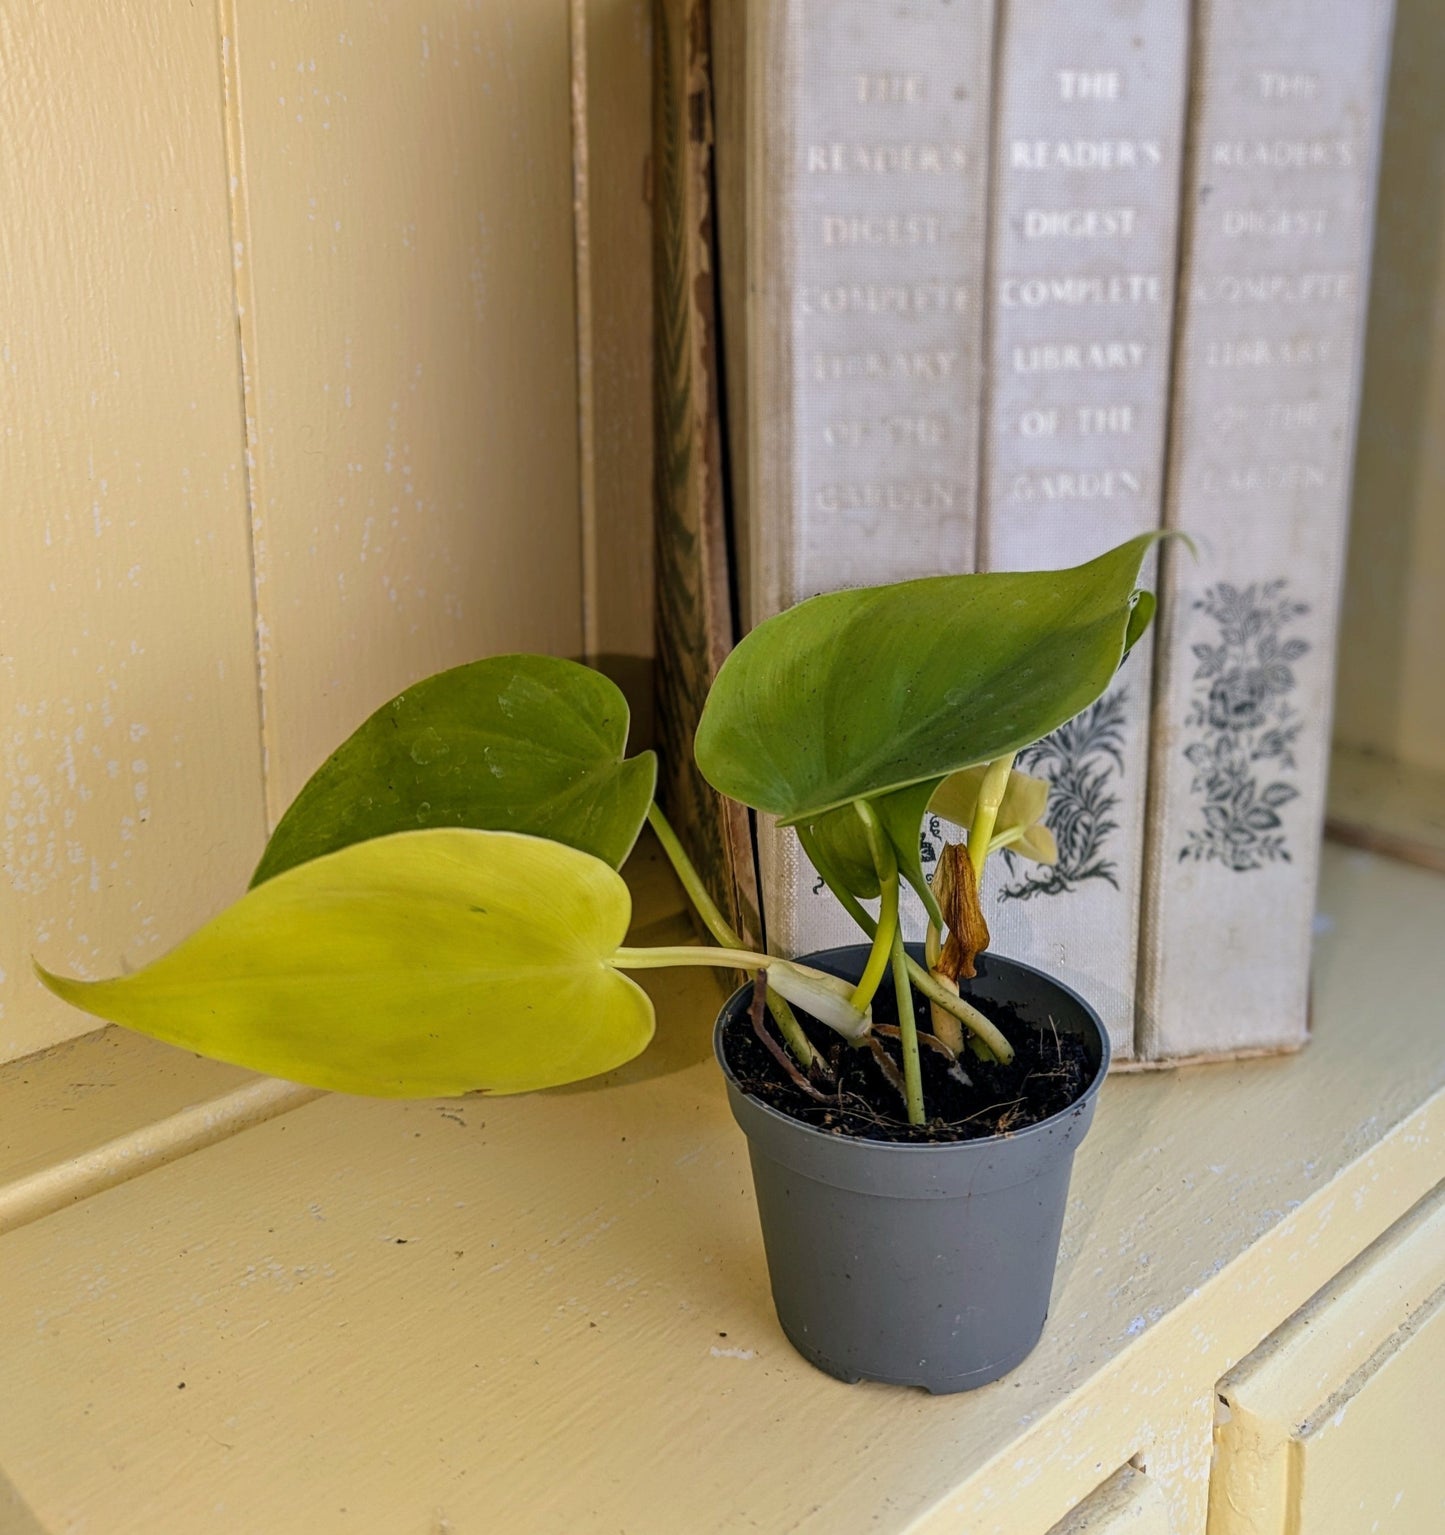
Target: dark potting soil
(1049, 1072)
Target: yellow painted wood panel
(1127, 1504)
(406, 203)
(130, 769)
(16, 1518)
(551, 1313)
(1332, 1427)
(1373, 1463)
(1176, 1457)
(94, 1111)
(1386, 805)
(1389, 698)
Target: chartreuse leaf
(513, 743)
(425, 963)
(857, 694)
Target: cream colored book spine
(852, 170)
(1279, 197)
(1089, 113)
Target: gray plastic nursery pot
(918, 1265)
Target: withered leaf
(956, 887)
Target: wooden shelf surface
(1391, 807)
(551, 1313)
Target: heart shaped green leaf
(838, 847)
(425, 963)
(838, 844)
(856, 694)
(513, 743)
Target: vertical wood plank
(1326, 1428)
(1177, 1460)
(411, 374)
(1388, 698)
(129, 758)
(618, 143)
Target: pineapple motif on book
(1243, 726)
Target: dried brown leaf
(956, 886)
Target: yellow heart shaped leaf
(421, 964)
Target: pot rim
(925, 1148)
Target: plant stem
(966, 1013)
(792, 1032)
(985, 812)
(722, 931)
(825, 996)
(887, 866)
(888, 944)
(907, 1033)
(695, 954)
(945, 1025)
(712, 918)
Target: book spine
(866, 166)
(1279, 194)
(1089, 108)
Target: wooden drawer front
(1332, 1426)
(1127, 1504)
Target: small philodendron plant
(440, 910)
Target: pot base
(918, 1264)
(934, 1384)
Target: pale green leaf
(1037, 842)
(424, 963)
(1024, 799)
(823, 996)
(514, 743)
(856, 694)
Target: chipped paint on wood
(1129, 1503)
(290, 402)
(130, 783)
(1327, 1426)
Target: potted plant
(440, 912)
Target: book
(1088, 139)
(694, 588)
(852, 163)
(1279, 192)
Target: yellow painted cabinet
(1332, 1426)
(1127, 1504)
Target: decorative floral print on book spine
(1083, 761)
(1242, 726)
